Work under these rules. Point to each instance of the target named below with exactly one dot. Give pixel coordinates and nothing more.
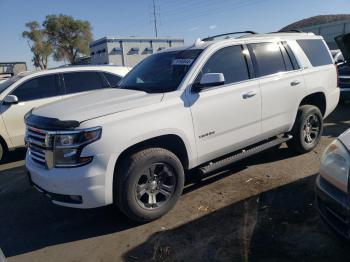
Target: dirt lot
(259, 210)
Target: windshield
(4, 85)
(160, 73)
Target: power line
(213, 11)
(155, 18)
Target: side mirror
(10, 100)
(209, 80)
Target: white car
(332, 185)
(202, 106)
(22, 92)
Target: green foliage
(69, 37)
(60, 35)
(39, 44)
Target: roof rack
(290, 31)
(211, 38)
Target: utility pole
(155, 18)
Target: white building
(128, 51)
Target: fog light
(76, 199)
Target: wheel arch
(4, 144)
(317, 99)
(171, 142)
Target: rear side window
(316, 51)
(82, 81)
(229, 61)
(268, 58)
(113, 80)
(37, 88)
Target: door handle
(294, 83)
(249, 94)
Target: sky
(190, 19)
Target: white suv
(25, 91)
(202, 106)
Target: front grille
(38, 142)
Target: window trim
(249, 64)
(292, 57)
(59, 86)
(83, 71)
(103, 75)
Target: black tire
(306, 137)
(154, 170)
(2, 153)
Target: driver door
(226, 117)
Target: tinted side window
(316, 52)
(82, 81)
(37, 88)
(113, 80)
(268, 58)
(229, 61)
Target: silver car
(332, 185)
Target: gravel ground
(261, 209)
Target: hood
(96, 104)
(343, 42)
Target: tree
(69, 37)
(39, 44)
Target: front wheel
(149, 184)
(307, 129)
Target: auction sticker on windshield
(184, 62)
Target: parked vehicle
(337, 56)
(332, 185)
(27, 90)
(2, 256)
(342, 60)
(202, 106)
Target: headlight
(67, 147)
(335, 165)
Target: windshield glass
(4, 85)
(160, 73)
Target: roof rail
(290, 31)
(211, 38)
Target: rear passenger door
(281, 83)
(226, 117)
(80, 82)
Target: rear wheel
(307, 129)
(149, 184)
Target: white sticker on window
(183, 62)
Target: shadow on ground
(338, 121)
(28, 226)
(277, 225)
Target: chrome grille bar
(38, 142)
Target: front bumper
(86, 183)
(333, 206)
